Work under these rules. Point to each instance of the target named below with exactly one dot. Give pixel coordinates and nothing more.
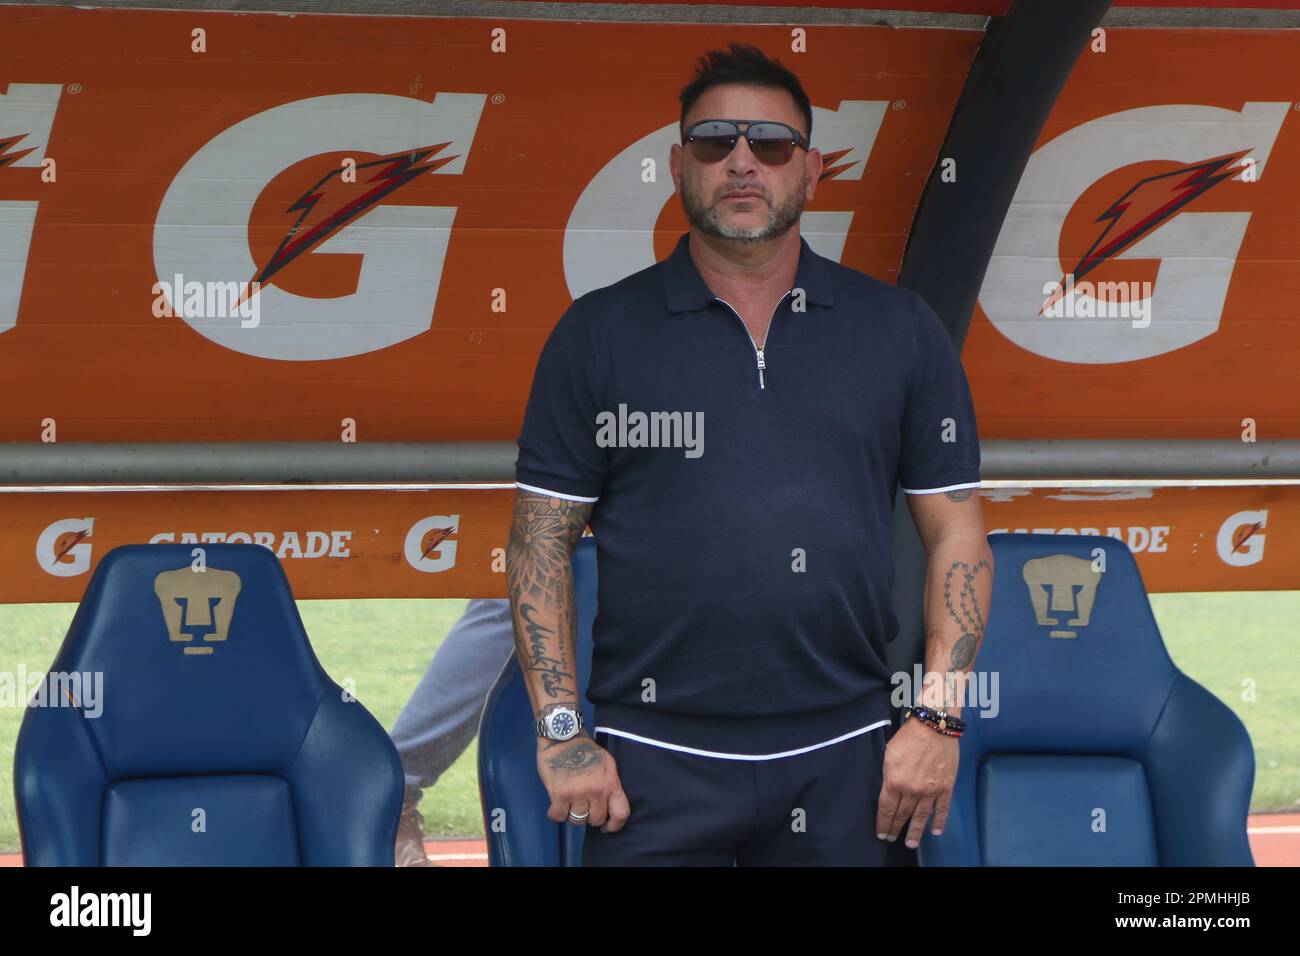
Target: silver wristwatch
(563, 723)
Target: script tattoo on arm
(964, 608)
(543, 534)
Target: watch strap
(542, 729)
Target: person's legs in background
(442, 715)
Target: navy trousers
(812, 809)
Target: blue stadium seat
(215, 738)
(1103, 752)
(514, 800)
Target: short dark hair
(749, 66)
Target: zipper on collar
(758, 353)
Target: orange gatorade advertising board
(1165, 183)
(451, 543)
(419, 199)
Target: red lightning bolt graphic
(345, 202)
(7, 158)
(829, 169)
(439, 535)
(1144, 207)
(69, 543)
(1244, 534)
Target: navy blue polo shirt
(743, 516)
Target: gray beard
(779, 218)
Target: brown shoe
(410, 837)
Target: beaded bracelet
(940, 720)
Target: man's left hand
(919, 773)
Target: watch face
(563, 724)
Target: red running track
(1274, 840)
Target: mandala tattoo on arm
(543, 534)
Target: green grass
(1224, 640)
(1219, 640)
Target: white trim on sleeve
(553, 494)
(931, 491)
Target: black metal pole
(1019, 71)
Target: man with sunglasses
(741, 694)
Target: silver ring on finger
(579, 817)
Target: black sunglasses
(712, 140)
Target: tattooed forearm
(581, 755)
(540, 639)
(963, 652)
(543, 534)
(964, 608)
(539, 573)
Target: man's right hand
(580, 774)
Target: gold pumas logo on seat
(1052, 584)
(197, 605)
